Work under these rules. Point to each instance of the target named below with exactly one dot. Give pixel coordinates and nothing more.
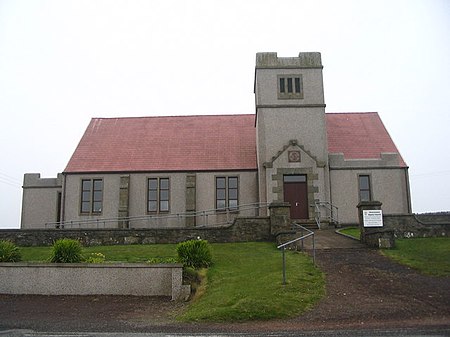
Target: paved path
(329, 239)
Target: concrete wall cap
(90, 265)
(279, 204)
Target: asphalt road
(337, 333)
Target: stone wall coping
(91, 265)
(417, 217)
(279, 204)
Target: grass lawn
(245, 282)
(351, 231)
(428, 255)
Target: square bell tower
(291, 131)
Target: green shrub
(194, 253)
(9, 252)
(66, 251)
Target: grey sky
(64, 62)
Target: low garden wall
(242, 230)
(93, 279)
(382, 234)
(418, 225)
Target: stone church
(186, 171)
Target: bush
(66, 251)
(194, 253)
(9, 252)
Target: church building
(186, 171)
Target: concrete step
(311, 224)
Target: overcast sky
(64, 62)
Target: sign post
(373, 232)
(373, 218)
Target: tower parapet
(304, 60)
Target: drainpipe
(329, 184)
(63, 199)
(408, 192)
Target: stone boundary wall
(418, 225)
(401, 226)
(242, 230)
(93, 279)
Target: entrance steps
(312, 224)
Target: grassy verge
(428, 255)
(245, 283)
(351, 231)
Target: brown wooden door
(296, 193)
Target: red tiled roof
(208, 143)
(359, 136)
(182, 143)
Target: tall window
(227, 192)
(290, 86)
(91, 196)
(365, 193)
(158, 195)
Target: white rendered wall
(40, 200)
(389, 186)
(91, 279)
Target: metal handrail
(317, 217)
(333, 212)
(302, 238)
(102, 222)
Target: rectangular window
(227, 193)
(289, 81)
(158, 195)
(282, 85)
(91, 196)
(364, 188)
(297, 85)
(290, 86)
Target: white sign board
(373, 218)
